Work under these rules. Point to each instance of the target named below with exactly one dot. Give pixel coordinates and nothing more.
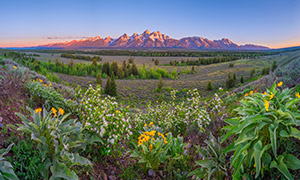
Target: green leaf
(60, 170)
(281, 166)
(291, 161)
(205, 163)
(273, 137)
(291, 103)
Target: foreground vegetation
(50, 131)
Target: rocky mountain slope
(152, 40)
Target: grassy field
(141, 91)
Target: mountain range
(152, 40)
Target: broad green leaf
(60, 170)
(281, 166)
(292, 161)
(273, 137)
(291, 103)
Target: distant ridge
(152, 40)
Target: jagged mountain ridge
(152, 40)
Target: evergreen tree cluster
(203, 61)
(111, 87)
(81, 57)
(230, 82)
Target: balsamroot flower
(267, 105)
(297, 95)
(38, 110)
(150, 147)
(15, 67)
(61, 111)
(280, 84)
(54, 111)
(271, 96)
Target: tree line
(202, 61)
(128, 70)
(169, 53)
(81, 57)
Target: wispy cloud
(67, 37)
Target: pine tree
(114, 68)
(106, 88)
(242, 79)
(263, 71)
(99, 78)
(209, 86)
(252, 72)
(134, 69)
(94, 63)
(112, 86)
(234, 79)
(274, 66)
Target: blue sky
(275, 23)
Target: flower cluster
(150, 134)
(176, 116)
(41, 81)
(103, 116)
(54, 111)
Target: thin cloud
(67, 37)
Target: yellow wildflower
(251, 92)
(40, 80)
(167, 134)
(127, 107)
(75, 124)
(271, 96)
(50, 84)
(267, 105)
(38, 110)
(150, 147)
(61, 111)
(15, 67)
(246, 95)
(117, 111)
(297, 95)
(255, 91)
(254, 165)
(54, 111)
(140, 142)
(45, 85)
(145, 125)
(150, 124)
(276, 77)
(265, 93)
(280, 84)
(165, 141)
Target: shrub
(46, 95)
(160, 84)
(176, 117)
(103, 117)
(262, 120)
(231, 65)
(57, 138)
